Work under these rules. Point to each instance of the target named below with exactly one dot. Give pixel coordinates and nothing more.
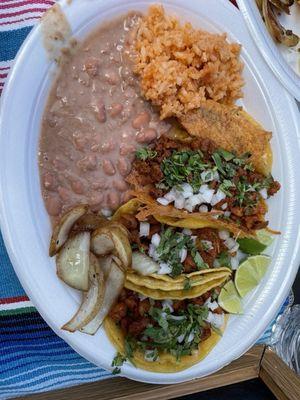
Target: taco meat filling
(174, 327)
(198, 176)
(178, 250)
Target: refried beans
(94, 121)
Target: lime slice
(250, 273)
(256, 246)
(229, 299)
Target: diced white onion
(155, 239)
(227, 214)
(183, 254)
(216, 176)
(212, 305)
(203, 188)
(167, 304)
(144, 229)
(152, 252)
(180, 338)
(230, 243)
(177, 317)
(234, 261)
(264, 193)
(164, 269)
(106, 212)
(179, 202)
(190, 337)
(224, 206)
(223, 235)
(194, 238)
(170, 196)
(216, 320)
(193, 201)
(163, 201)
(235, 248)
(187, 190)
(187, 231)
(217, 197)
(208, 195)
(203, 208)
(207, 244)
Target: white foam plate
(24, 221)
(277, 56)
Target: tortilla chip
(232, 129)
(166, 362)
(157, 294)
(151, 282)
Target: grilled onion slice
(92, 299)
(73, 261)
(113, 287)
(63, 228)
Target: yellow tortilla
(157, 294)
(153, 283)
(182, 277)
(166, 362)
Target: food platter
(25, 223)
(277, 56)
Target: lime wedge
(256, 246)
(229, 299)
(250, 273)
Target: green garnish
(145, 153)
(170, 247)
(117, 362)
(187, 284)
(224, 259)
(178, 335)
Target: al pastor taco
(164, 336)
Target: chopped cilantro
(224, 259)
(187, 284)
(171, 246)
(145, 153)
(117, 362)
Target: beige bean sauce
(94, 121)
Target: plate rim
(8, 239)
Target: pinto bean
(142, 119)
(120, 185)
(59, 165)
(96, 199)
(88, 163)
(53, 205)
(101, 183)
(77, 187)
(49, 181)
(91, 66)
(126, 149)
(108, 146)
(112, 77)
(64, 194)
(80, 143)
(147, 136)
(113, 199)
(101, 112)
(108, 167)
(115, 109)
(123, 166)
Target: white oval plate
(274, 54)
(25, 224)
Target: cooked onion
(92, 299)
(143, 264)
(113, 287)
(73, 261)
(64, 226)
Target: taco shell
(166, 362)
